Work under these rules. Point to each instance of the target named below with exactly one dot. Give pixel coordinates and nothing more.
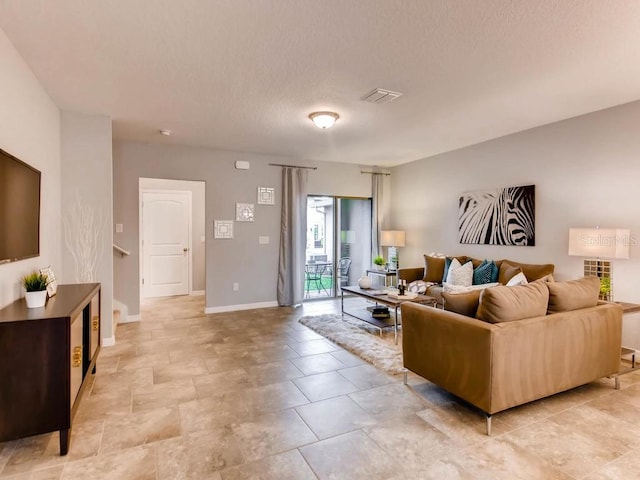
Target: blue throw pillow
(447, 264)
(482, 273)
(495, 271)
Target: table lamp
(392, 239)
(596, 244)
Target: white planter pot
(36, 299)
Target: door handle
(185, 249)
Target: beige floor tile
(217, 383)
(272, 433)
(199, 455)
(321, 363)
(166, 394)
(411, 441)
(108, 404)
(272, 397)
(284, 466)
(367, 376)
(273, 372)
(389, 400)
(348, 358)
(563, 448)
(143, 361)
(212, 412)
(122, 381)
(626, 467)
(32, 453)
(85, 439)
(313, 347)
(179, 370)
(352, 456)
(140, 428)
(335, 416)
(137, 463)
(324, 385)
(498, 459)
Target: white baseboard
(109, 341)
(244, 306)
(130, 319)
(196, 293)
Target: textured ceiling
(244, 74)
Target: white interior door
(165, 243)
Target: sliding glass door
(338, 243)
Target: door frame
(141, 192)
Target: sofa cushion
(460, 274)
(507, 272)
(573, 294)
(433, 268)
(462, 259)
(531, 271)
(518, 279)
(482, 273)
(507, 304)
(463, 303)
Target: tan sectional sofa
(515, 352)
(434, 269)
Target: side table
(388, 277)
(628, 331)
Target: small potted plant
(379, 262)
(35, 285)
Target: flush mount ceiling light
(324, 119)
(164, 132)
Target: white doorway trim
(141, 192)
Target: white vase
(364, 282)
(36, 299)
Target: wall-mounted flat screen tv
(19, 209)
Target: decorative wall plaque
(223, 229)
(266, 196)
(244, 212)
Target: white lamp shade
(392, 238)
(599, 242)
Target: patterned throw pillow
(482, 273)
(495, 272)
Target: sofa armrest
(450, 350)
(411, 274)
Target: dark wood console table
(46, 355)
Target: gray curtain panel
(293, 236)
(376, 213)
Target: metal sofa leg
(617, 382)
(488, 423)
(405, 372)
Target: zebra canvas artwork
(504, 216)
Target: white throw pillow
(460, 274)
(519, 279)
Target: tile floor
(256, 395)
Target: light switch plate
(118, 228)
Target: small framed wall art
(52, 284)
(266, 196)
(245, 212)
(223, 229)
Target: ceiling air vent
(380, 96)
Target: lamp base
(603, 270)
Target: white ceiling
(244, 74)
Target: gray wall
(197, 222)
(87, 198)
(30, 130)
(241, 260)
(585, 170)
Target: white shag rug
(359, 338)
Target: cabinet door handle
(95, 324)
(76, 358)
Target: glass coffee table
(381, 297)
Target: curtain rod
(376, 173)
(292, 166)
